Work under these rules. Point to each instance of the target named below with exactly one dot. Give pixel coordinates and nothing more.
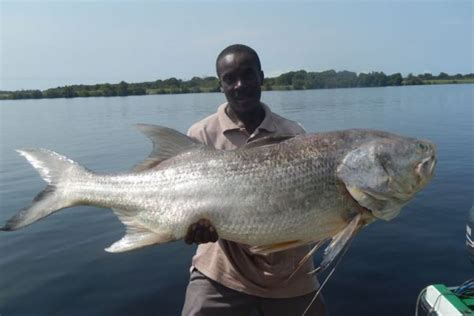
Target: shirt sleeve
(197, 133)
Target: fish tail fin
(54, 169)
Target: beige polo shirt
(235, 265)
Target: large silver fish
(275, 193)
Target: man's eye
(249, 75)
(229, 79)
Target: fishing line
(418, 301)
(319, 290)
(466, 288)
(432, 309)
(349, 242)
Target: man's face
(240, 79)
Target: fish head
(385, 172)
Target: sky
(45, 44)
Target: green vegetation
(293, 80)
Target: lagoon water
(58, 266)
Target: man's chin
(245, 104)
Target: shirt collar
(226, 124)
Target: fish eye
(422, 147)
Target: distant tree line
(302, 80)
(293, 80)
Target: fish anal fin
(137, 235)
(267, 249)
(138, 239)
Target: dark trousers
(205, 297)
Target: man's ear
(220, 86)
(262, 77)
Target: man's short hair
(238, 48)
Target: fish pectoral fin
(306, 258)
(336, 248)
(339, 243)
(137, 238)
(267, 249)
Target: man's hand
(201, 232)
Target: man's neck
(250, 120)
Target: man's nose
(238, 83)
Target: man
(229, 278)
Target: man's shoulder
(204, 128)
(287, 126)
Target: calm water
(58, 266)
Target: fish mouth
(425, 169)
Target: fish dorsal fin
(167, 143)
(269, 140)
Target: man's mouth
(243, 98)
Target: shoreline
(124, 89)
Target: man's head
(240, 77)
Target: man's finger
(198, 234)
(206, 236)
(213, 234)
(189, 238)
